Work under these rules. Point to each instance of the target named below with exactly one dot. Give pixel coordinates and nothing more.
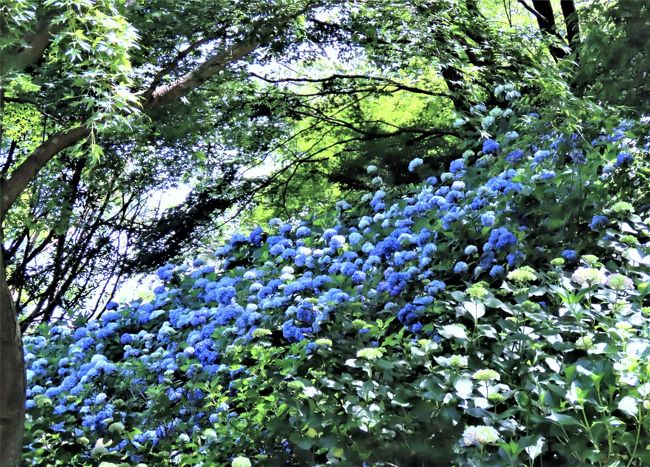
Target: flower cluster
(480, 435)
(300, 289)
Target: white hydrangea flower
(588, 276)
(479, 435)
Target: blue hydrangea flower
(460, 267)
(510, 136)
(415, 163)
(540, 156)
(515, 156)
(337, 241)
(598, 222)
(487, 219)
(569, 255)
(470, 250)
(544, 175)
(577, 156)
(358, 277)
(109, 317)
(500, 239)
(224, 295)
(355, 238)
(623, 158)
(303, 231)
(291, 332)
(166, 272)
(478, 108)
(497, 271)
(490, 146)
(515, 258)
(456, 167)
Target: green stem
(636, 441)
(610, 440)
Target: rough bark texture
(12, 378)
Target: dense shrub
(496, 314)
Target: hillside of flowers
(498, 313)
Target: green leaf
(475, 310)
(464, 388)
(458, 296)
(453, 330)
(629, 406)
(563, 420)
(534, 445)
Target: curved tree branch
(37, 42)
(11, 188)
(21, 177)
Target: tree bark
(27, 171)
(12, 377)
(572, 25)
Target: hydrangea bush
(496, 314)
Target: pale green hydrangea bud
(584, 342)
(620, 282)
(622, 207)
(98, 451)
(458, 361)
(496, 397)
(369, 353)
(479, 435)
(116, 427)
(486, 375)
(477, 290)
(522, 274)
(241, 461)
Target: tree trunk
(12, 377)
(572, 25)
(546, 22)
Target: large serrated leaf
(563, 420)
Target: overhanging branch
(37, 41)
(338, 76)
(11, 189)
